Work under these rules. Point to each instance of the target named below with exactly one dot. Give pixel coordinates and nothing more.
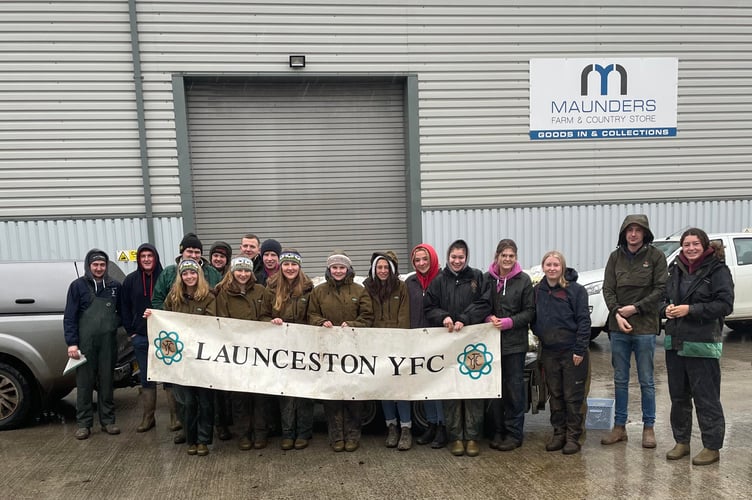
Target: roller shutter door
(316, 164)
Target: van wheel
(15, 397)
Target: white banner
(603, 98)
(324, 363)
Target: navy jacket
(138, 288)
(562, 315)
(80, 297)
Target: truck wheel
(15, 397)
(594, 332)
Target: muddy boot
(392, 436)
(648, 437)
(148, 398)
(679, 450)
(427, 436)
(175, 424)
(706, 457)
(557, 442)
(405, 440)
(619, 433)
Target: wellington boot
(619, 433)
(679, 450)
(427, 436)
(441, 439)
(557, 442)
(148, 398)
(175, 424)
(706, 457)
(457, 448)
(472, 449)
(648, 437)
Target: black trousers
(698, 380)
(566, 386)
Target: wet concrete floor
(45, 461)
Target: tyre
(16, 397)
(739, 326)
(420, 421)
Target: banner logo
(169, 348)
(475, 361)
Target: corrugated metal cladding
(585, 234)
(68, 132)
(71, 239)
(316, 164)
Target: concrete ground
(44, 461)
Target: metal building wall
(585, 234)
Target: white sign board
(603, 98)
(324, 363)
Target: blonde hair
(229, 278)
(560, 257)
(179, 289)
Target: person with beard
(448, 302)
(90, 324)
(342, 302)
(138, 288)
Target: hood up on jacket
(642, 221)
(458, 244)
(433, 268)
(147, 282)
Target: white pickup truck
(738, 247)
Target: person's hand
(624, 325)
(147, 313)
(627, 311)
(327, 324)
(679, 311)
(344, 324)
(449, 323)
(577, 359)
(73, 352)
(277, 321)
(496, 321)
(458, 325)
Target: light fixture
(297, 61)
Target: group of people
(266, 283)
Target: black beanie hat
(270, 245)
(221, 247)
(190, 240)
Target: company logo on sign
(168, 347)
(603, 72)
(587, 99)
(475, 361)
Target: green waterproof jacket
(294, 309)
(339, 302)
(246, 304)
(395, 311)
(189, 305)
(637, 279)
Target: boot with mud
(617, 434)
(148, 398)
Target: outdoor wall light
(297, 61)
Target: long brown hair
(285, 289)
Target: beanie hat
(97, 256)
(188, 265)
(338, 257)
(241, 264)
(290, 255)
(190, 240)
(221, 247)
(270, 246)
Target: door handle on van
(25, 301)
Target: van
(32, 344)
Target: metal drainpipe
(136, 55)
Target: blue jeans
(434, 412)
(393, 408)
(622, 347)
(141, 351)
